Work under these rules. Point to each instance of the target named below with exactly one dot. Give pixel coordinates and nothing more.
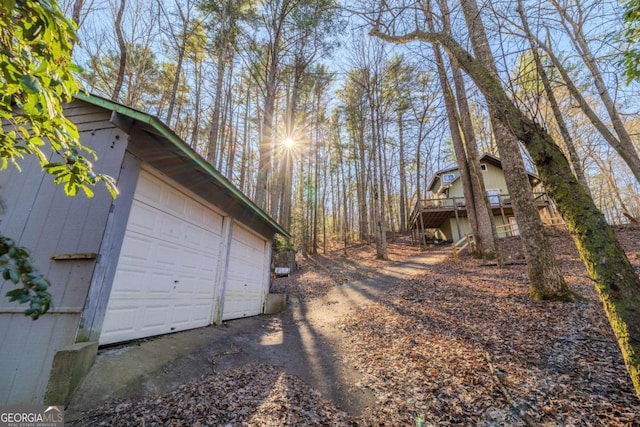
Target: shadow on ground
(305, 340)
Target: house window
(483, 167)
(448, 178)
(494, 196)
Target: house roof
(185, 165)
(484, 158)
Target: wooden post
(501, 209)
(455, 253)
(455, 212)
(423, 239)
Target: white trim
(223, 269)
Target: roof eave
(164, 131)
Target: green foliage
(280, 244)
(36, 77)
(631, 58)
(150, 80)
(15, 265)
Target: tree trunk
(486, 235)
(615, 278)
(562, 126)
(176, 83)
(245, 139)
(77, 11)
(324, 204)
(389, 203)
(265, 146)
(605, 260)
(195, 130)
(458, 145)
(182, 47)
(545, 277)
(363, 216)
(345, 181)
(225, 131)
(581, 45)
(403, 175)
(628, 153)
(122, 45)
(290, 126)
(315, 180)
(233, 147)
(487, 243)
(379, 216)
(476, 202)
(214, 130)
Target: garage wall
(40, 217)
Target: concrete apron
(159, 364)
(303, 339)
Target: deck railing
(466, 242)
(508, 230)
(495, 200)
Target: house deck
(431, 213)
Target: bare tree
(353, 98)
(546, 280)
(619, 138)
(541, 73)
(180, 26)
(465, 146)
(574, 24)
(400, 84)
(605, 260)
(122, 46)
(274, 18)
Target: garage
(246, 283)
(159, 258)
(166, 272)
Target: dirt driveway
(305, 340)
(369, 342)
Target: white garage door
(247, 278)
(166, 273)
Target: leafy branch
(36, 78)
(16, 266)
(631, 57)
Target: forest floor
(417, 340)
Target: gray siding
(40, 217)
(102, 280)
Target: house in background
(179, 248)
(443, 216)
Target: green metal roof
(186, 151)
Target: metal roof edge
(168, 134)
